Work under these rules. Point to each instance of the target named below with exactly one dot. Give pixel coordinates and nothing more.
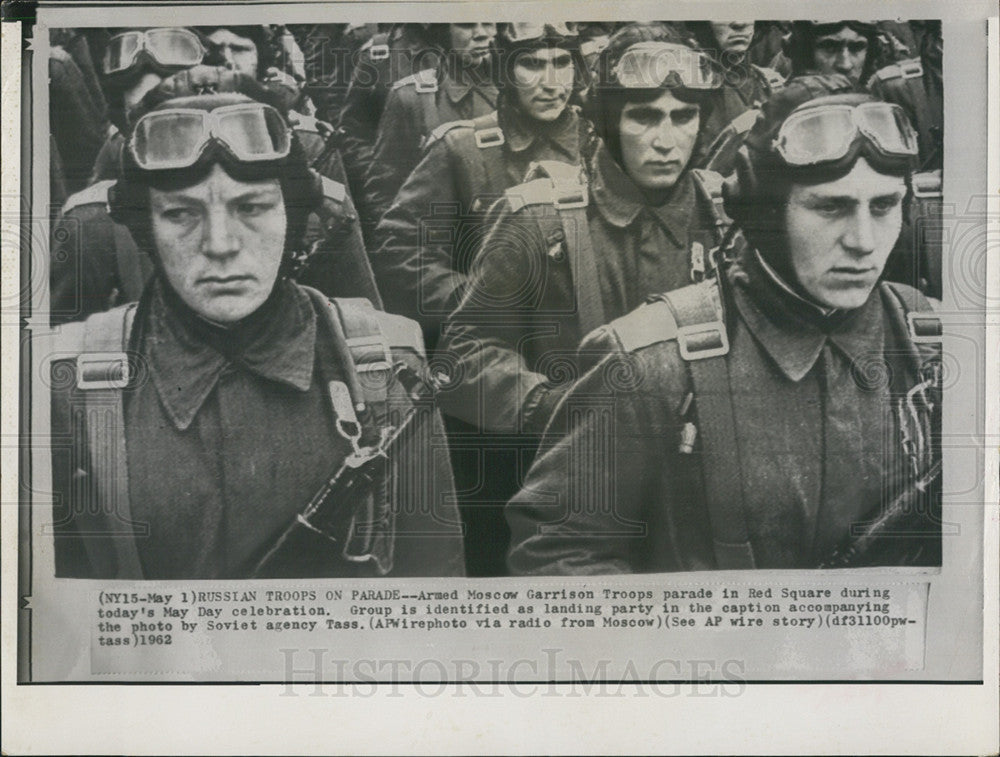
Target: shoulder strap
(95, 194)
(426, 86)
(102, 372)
(913, 316)
(558, 201)
(774, 80)
(704, 345)
(439, 131)
(362, 346)
(488, 163)
(709, 187)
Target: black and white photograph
(550, 214)
(396, 343)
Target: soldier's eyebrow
(256, 194)
(813, 199)
(643, 110)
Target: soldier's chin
(843, 297)
(227, 309)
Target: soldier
(330, 51)
(383, 60)
(426, 240)
(756, 419)
(78, 112)
(95, 263)
(851, 48)
(242, 404)
(916, 85)
(745, 85)
(565, 255)
(461, 88)
(136, 60)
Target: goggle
(172, 47)
(651, 65)
(825, 134)
(177, 138)
(527, 32)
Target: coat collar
(792, 331)
(187, 355)
(620, 201)
(520, 132)
(456, 87)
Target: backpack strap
(559, 199)
(487, 165)
(102, 372)
(708, 186)
(704, 344)
(95, 194)
(361, 413)
(775, 81)
(425, 86)
(708, 193)
(913, 316)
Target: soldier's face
(733, 37)
(238, 53)
(841, 53)
(470, 43)
(840, 234)
(543, 82)
(220, 243)
(657, 139)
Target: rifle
(903, 524)
(327, 517)
(895, 522)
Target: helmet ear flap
(739, 190)
(115, 206)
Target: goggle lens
(826, 134)
(167, 46)
(650, 65)
(169, 139)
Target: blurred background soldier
(329, 53)
(745, 85)
(136, 60)
(78, 117)
(916, 85)
(758, 417)
(383, 60)
(236, 391)
(425, 242)
(461, 88)
(851, 48)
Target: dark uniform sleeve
(360, 115)
(415, 241)
(395, 154)
(588, 504)
(496, 388)
(77, 123)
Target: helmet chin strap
(790, 290)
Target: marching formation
(485, 299)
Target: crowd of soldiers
(493, 298)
